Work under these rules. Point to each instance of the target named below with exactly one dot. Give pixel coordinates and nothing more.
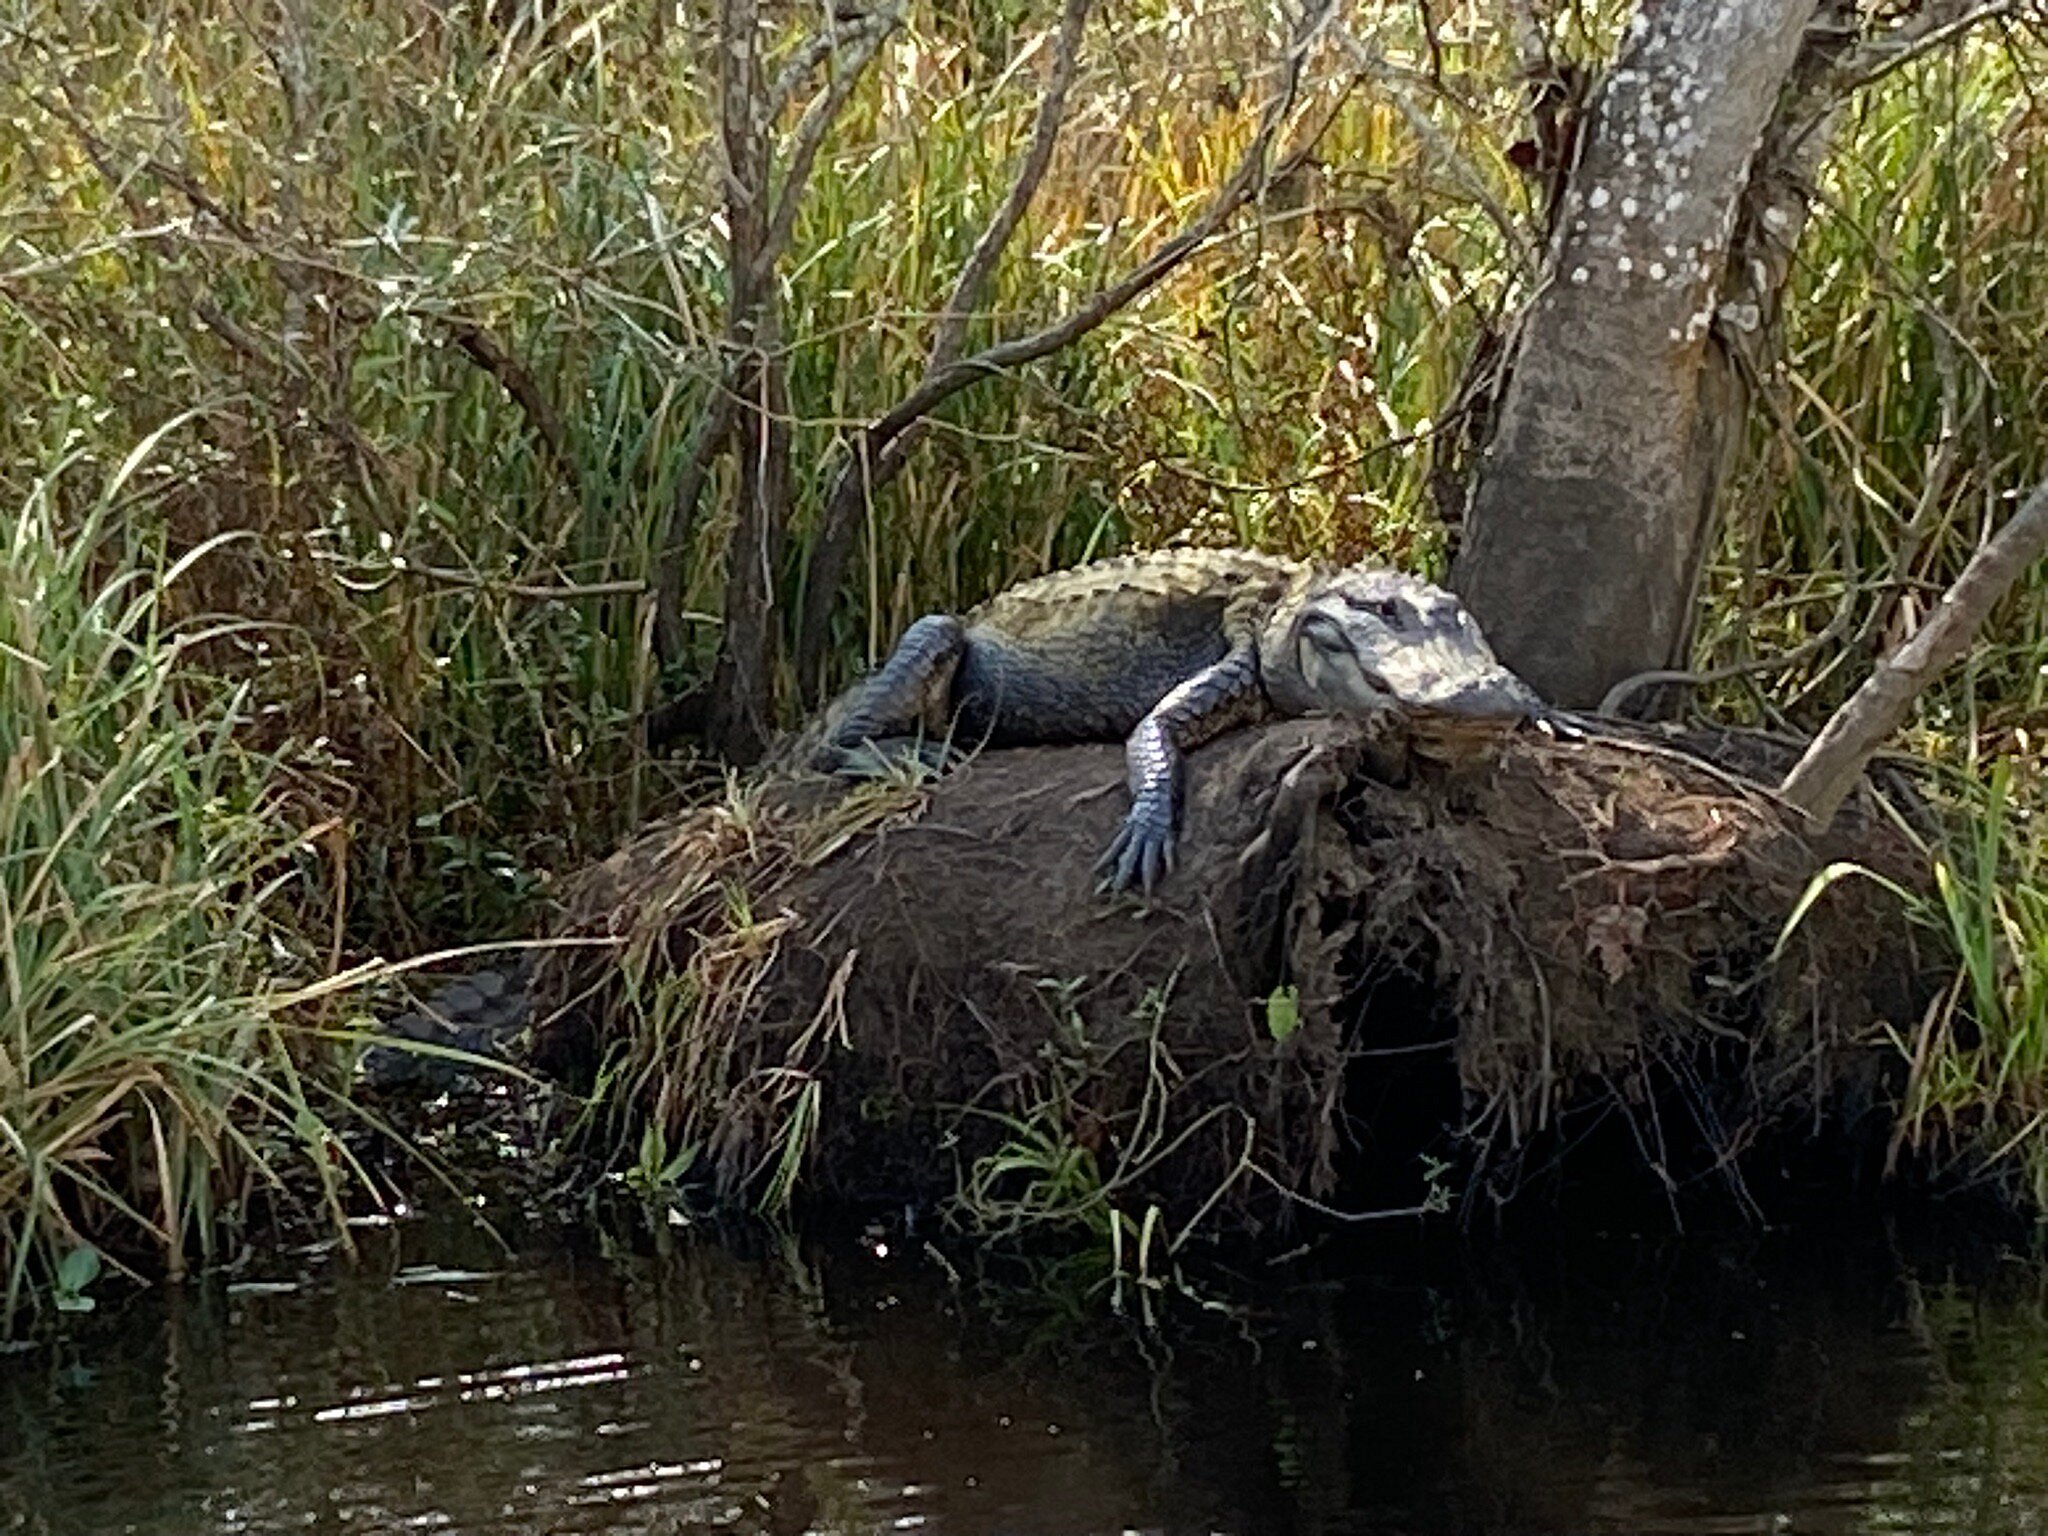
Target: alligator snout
(1454, 673)
(1496, 694)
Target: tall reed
(436, 613)
(147, 1089)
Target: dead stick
(1822, 779)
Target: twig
(757, 244)
(1436, 47)
(1374, 66)
(1823, 778)
(1629, 687)
(1432, 1206)
(809, 136)
(872, 463)
(540, 592)
(1934, 25)
(517, 380)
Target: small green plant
(657, 1174)
(1283, 1011)
(1047, 1179)
(76, 1271)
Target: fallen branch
(1831, 766)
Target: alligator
(1163, 652)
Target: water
(1801, 1384)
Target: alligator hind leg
(908, 696)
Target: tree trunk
(741, 718)
(741, 697)
(1593, 507)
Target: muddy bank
(1371, 950)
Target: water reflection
(1786, 1385)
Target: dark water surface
(1779, 1384)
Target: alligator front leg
(1214, 700)
(910, 694)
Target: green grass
(147, 861)
(427, 630)
(1977, 1098)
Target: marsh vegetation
(373, 470)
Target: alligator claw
(1142, 854)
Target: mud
(1375, 947)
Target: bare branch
(1934, 25)
(707, 441)
(802, 64)
(743, 136)
(951, 332)
(1824, 776)
(861, 473)
(880, 451)
(1854, 65)
(535, 591)
(809, 136)
(517, 380)
(757, 239)
(1244, 183)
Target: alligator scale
(1165, 651)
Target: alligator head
(1363, 641)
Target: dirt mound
(1367, 953)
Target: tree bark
(1593, 507)
(740, 718)
(740, 698)
(748, 410)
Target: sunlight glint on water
(1784, 1387)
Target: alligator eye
(1389, 612)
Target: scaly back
(1139, 593)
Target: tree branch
(1831, 766)
(880, 450)
(517, 380)
(1869, 59)
(1933, 25)
(859, 475)
(950, 335)
(1004, 356)
(756, 242)
(817, 120)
